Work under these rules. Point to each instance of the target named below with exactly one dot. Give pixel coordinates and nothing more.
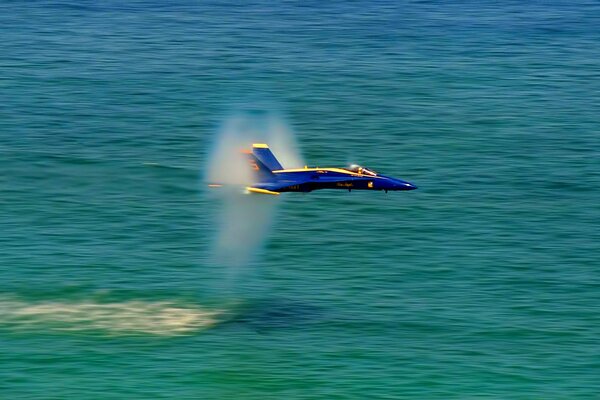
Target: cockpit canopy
(361, 170)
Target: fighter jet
(271, 178)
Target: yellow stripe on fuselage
(339, 170)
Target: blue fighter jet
(271, 178)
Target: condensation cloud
(244, 220)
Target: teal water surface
(481, 284)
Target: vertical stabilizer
(265, 156)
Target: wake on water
(242, 227)
(116, 318)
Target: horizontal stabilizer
(261, 191)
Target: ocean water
(482, 284)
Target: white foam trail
(118, 318)
(245, 219)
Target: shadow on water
(275, 313)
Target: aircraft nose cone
(390, 183)
(402, 185)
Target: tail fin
(264, 155)
(262, 162)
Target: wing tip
(260, 145)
